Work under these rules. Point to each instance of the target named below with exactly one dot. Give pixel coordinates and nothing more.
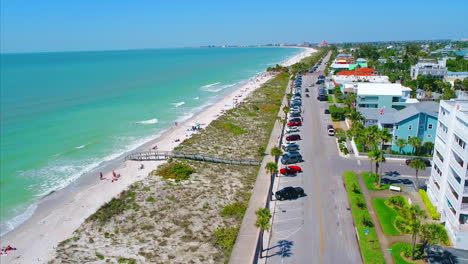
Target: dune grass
(386, 217)
(369, 244)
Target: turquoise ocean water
(62, 114)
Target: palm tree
(401, 143)
(350, 99)
(355, 116)
(412, 224)
(415, 142)
(276, 152)
(373, 155)
(371, 133)
(417, 165)
(271, 167)
(384, 136)
(428, 147)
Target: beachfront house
(415, 120)
(382, 95)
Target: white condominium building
(448, 183)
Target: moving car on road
(289, 193)
(330, 130)
(288, 170)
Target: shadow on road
(284, 249)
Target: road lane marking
(320, 215)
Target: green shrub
(99, 256)
(116, 206)
(236, 210)
(263, 218)
(361, 203)
(261, 151)
(150, 199)
(127, 261)
(175, 170)
(236, 130)
(398, 200)
(430, 207)
(226, 236)
(367, 221)
(337, 113)
(356, 189)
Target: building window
(458, 159)
(396, 137)
(429, 136)
(429, 126)
(410, 127)
(460, 142)
(439, 156)
(397, 127)
(395, 99)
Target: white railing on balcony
(456, 167)
(458, 149)
(443, 134)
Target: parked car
(319, 82)
(307, 90)
(295, 114)
(330, 130)
(327, 112)
(288, 143)
(296, 103)
(291, 157)
(294, 123)
(322, 98)
(292, 130)
(406, 181)
(426, 161)
(288, 193)
(293, 137)
(307, 95)
(290, 170)
(297, 119)
(291, 147)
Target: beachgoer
(114, 174)
(142, 166)
(101, 177)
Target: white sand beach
(37, 238)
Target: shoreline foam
(60, 213)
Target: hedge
(430, 207)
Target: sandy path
(37, 238)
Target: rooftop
(379, 89)
(392, 116)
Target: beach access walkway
(164, 155)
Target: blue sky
(66, 25)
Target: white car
(292, 130)
(288, 143)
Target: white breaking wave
(196, 98)
(178, 104)
(216, 89)
(146, 122)
(80, 147)
(209, 85)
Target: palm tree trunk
(417, 179)
(413, 244)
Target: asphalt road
(318, 228)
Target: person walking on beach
(101, 177)
(114, 174)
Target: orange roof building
(359, 72)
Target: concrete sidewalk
(244, 251)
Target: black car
(322, 98)
(406, 181)
(426, 161)
(327, 112)
(307, 90)
(319, 82)
(307, 95)
(289, 193)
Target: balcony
(456, 167)
(464, 207)
(465, 191)
(442, 134)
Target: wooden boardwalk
(164, 155)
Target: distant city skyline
(49, 25)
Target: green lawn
(386, 216)
(369, 244)
(397, 248)
(330, 99)
(370, 180)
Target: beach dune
(62, 212)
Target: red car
(293, 137)
(290, 170)
(294, 123)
